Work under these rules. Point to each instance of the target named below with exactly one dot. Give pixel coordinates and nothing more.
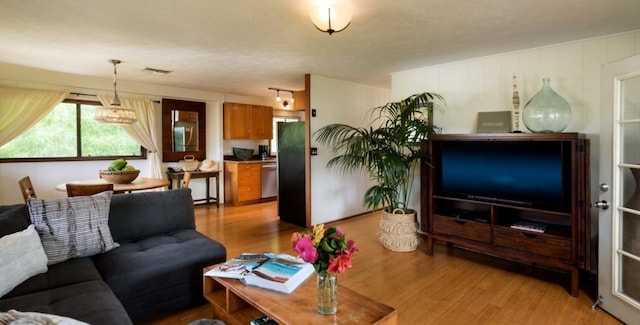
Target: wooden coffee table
(235, 303)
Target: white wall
(334, 195)
(485, 84)
(45, 175)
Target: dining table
(140, 183)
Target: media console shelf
(539, 181)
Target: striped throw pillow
(73, 227)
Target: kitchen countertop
(255, 159)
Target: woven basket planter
(399, 231)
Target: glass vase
(546, 112)
(327, 294)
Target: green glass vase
(546, 112)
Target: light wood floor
(452, 287)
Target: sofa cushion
(13, 218)
(21, 257)
(91, 302)
(74, 226)
(59, 275)
(159, 274)
(143, 214)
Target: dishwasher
(269, 180)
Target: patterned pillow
(73, 227)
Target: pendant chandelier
(331, 19)
(115, 114)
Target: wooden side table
(238, 304)
(178, 176)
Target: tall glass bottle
(546, 111)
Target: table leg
(217, 192)
(207, 190)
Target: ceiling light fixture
(115, 114)
(331, 18)
(278, 98)
(286, 103)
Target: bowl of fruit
(119, 172)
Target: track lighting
(278, 98)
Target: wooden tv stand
(235, 303)
(485, 226)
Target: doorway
(619, 198)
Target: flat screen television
(533, 174)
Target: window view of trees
(57, 136)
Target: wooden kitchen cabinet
(245, 121)
(242, 182)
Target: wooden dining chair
(186, 179)
(27, 188)
(87, 189)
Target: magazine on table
(277, 272)
(529, 226)
(263, 320)
(239, 266)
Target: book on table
(277, 272)
(529, 226)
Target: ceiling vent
(157, 71)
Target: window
(69, 132)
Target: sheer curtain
(21, 108)
(143, 130)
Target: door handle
(602, 205)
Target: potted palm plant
(388, 150)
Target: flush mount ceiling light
(331, 18)
(278, 98)
(115, 114)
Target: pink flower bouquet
(327, 249)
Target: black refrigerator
(291, 173)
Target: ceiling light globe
(331, 19)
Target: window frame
(78, 102)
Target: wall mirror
(183, 130)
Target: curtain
(20, 109)
(143, 130)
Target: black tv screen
(535, 174)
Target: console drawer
(539, 244)
(467, 229)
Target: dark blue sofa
(156, 270)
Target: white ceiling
(245, 46)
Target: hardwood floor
(453, 286)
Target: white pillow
(73, 227)
(21, 257)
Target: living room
(470, 84)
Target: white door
(619, 224)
